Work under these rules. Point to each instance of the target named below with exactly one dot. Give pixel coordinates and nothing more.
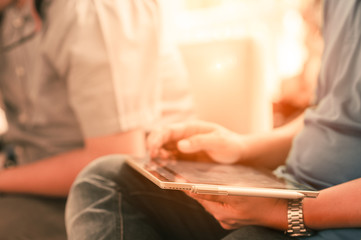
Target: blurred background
(252, 64)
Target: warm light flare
(237, 53)
(291, 52)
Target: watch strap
(296, 226)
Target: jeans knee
(107, 167)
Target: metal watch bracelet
(296, 226)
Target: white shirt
(92, 70)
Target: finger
(159, 137)
(201, 142)
(219, 212)
(228, 224)
(207, 197)
(216, 209)
(180, 131)
(154, 142)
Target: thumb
(197, 143)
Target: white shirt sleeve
(108, 53)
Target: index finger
(173, 133)
(207, 197)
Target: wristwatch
(296, 226)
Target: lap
(113, 188)
(171, 214)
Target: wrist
(314, 214)
(249, 148)
(276, 218)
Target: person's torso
(41, 122)
(327, 152)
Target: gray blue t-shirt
(327, 152)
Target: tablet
(218, 179)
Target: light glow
(266, 46)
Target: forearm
(271, 149)
(53, 176)
(335, 207)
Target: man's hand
(234, 211)
(197, 140)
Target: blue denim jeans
(109, 200)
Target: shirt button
(18, 22)
(19, 71)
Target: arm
(335, 207)
(271, 149)
(53, 176)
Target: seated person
(109, 200)
(78, 79)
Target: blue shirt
(327, 152)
